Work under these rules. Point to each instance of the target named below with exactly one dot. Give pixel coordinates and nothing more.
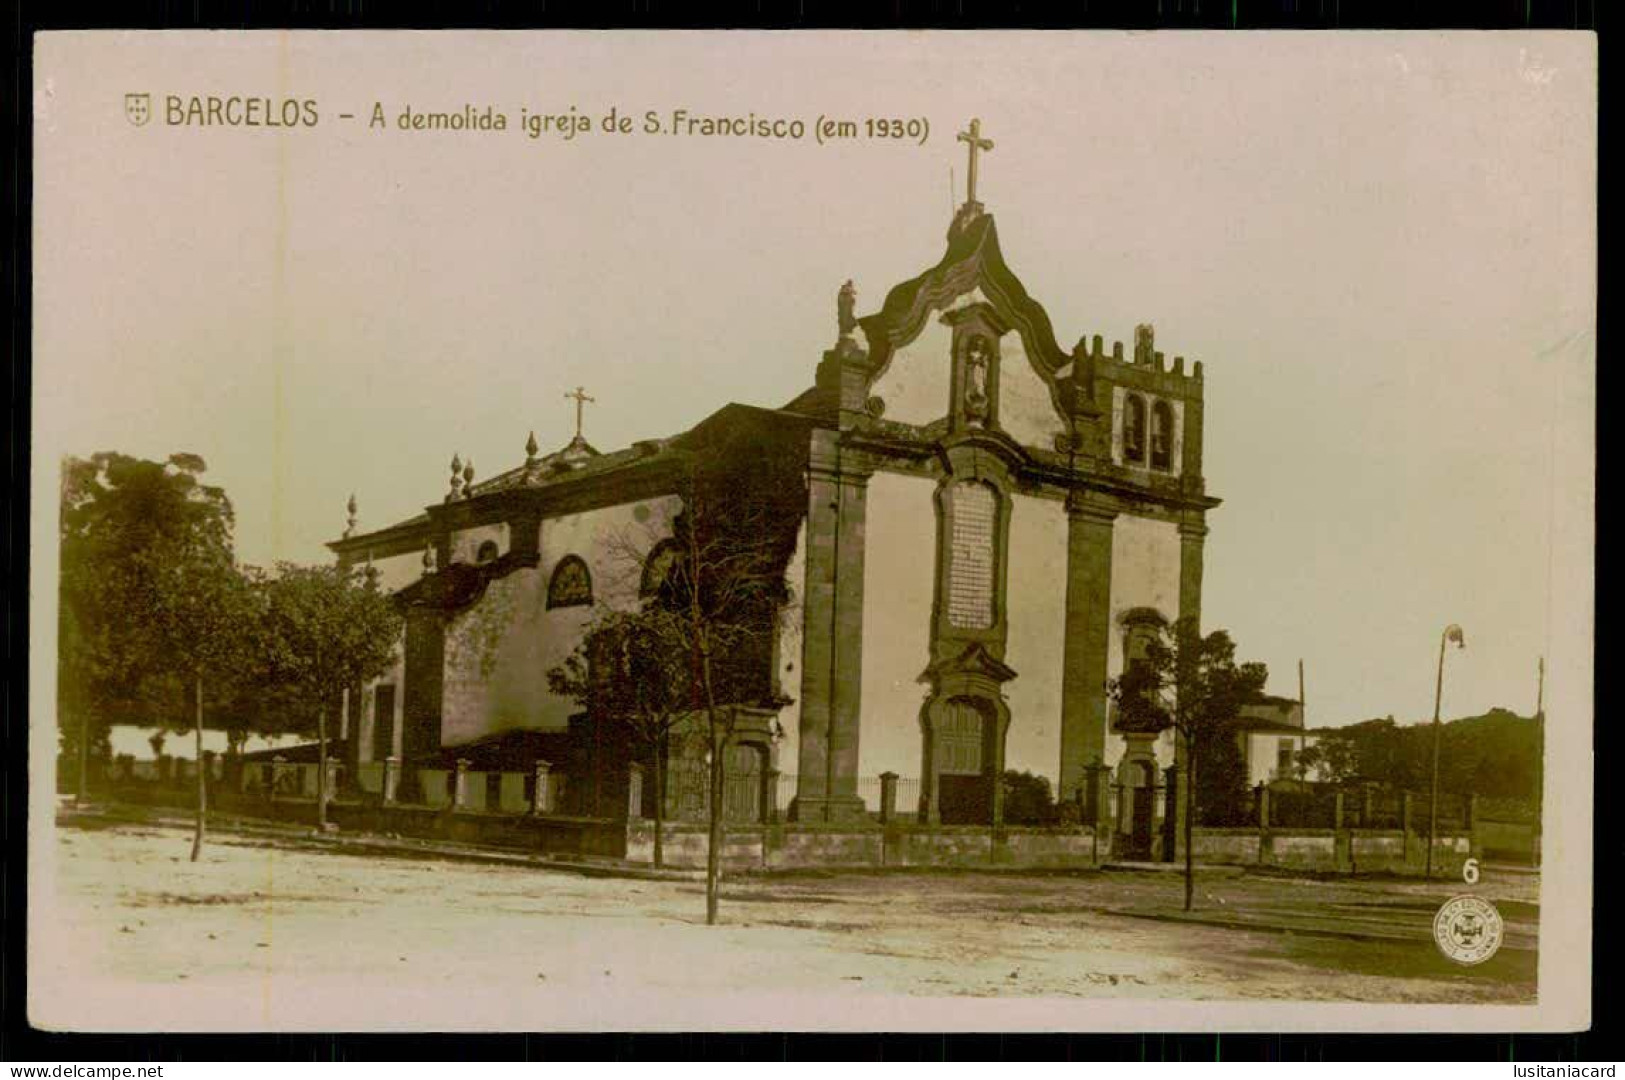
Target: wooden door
(964, 790)
(959, 740)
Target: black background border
(20, 1042)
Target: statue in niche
(977, 358)
(845, 310)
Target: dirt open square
(273, 931)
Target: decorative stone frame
(652, 577)
(968, 662)
(556, 581)
(974, 324)
(976, 677)
(969, 464)
(1131, 624)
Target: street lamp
(1451, 633)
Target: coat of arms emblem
(138, 108)
(1468, 929)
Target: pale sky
(1380, 246)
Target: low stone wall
(548, 834)
(1227, 847)
(797, 846)
(856, 845)
(810, 846)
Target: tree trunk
(713, 855)
(660, 801)
(1190, 819)
(202, 768)
(321, 769)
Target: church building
(975, 524)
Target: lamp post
(1451, 633)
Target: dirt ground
(297, 926)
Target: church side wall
(394, 573)
(899, 577)
(790, 654)
(465, 544)
(1145, 573)
(498, 653)
(915, 384)
(1035, 647)
(1026, 410)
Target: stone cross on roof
(579, 396)
(977, 144)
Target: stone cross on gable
(977, 144)
(579, 396)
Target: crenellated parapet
(1145, 368)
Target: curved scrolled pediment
(974, 264)
(973, 261)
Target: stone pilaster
(832, 637)
(1088, 632)
(1192, 540)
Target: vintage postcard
(818, 531)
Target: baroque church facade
(979, 523)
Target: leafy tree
(323, 629)
(1191, 683)
(152, 602)
(1027, 799)
(1496, 754)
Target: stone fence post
(1264, 807)
(1469, 812)
(392, 779)
(888, 797)
(1337, 810)
(459, 791)
(1098, 788)
(542, 800)
(634, 792)
(770, 796)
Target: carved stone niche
(977, 329)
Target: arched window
(658, 567)
(571, 585)
(1162, 436)
(972, 558)
(1133, 428)
(487, 552)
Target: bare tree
(702, 636)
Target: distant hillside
(1494, 755)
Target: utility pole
(1303, 709)
(1451, 633)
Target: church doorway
(966, 789)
